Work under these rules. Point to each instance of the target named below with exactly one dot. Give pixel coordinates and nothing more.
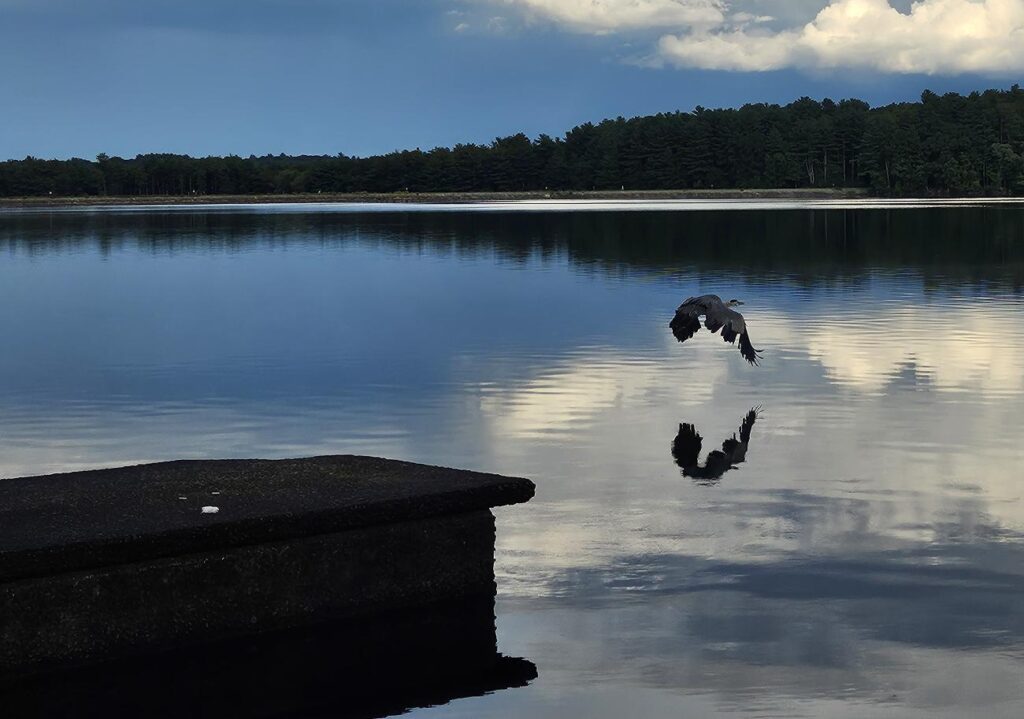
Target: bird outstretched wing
(748, 424)
(686, 446)
(750, 353)
(733, 325)
(736, 449)
(686, 322)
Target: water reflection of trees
(973, 244)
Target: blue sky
(368, 76)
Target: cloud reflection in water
(868, 562)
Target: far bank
(439, 197)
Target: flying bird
(686, 450)
(718, 315)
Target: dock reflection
(363, 668)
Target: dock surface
(65, 522)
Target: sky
(360, 77)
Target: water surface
(867, 557)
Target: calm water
(867, 559)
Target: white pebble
(211, 510)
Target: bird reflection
(686, 450)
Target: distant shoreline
(442, 197)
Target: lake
(867, 557)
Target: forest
(942, 145)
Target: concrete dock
(147, 561)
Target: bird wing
(732, 325)
(686, 446)
(726, 319)
(748, 424)
(715, 316)
(750, 353)
(686, 322)
(736, 449)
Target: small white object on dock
(211, 510)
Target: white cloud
(734, 50)
(576, 394)
(926, 36)
(747, 17)
(462, 27)
(972, 360)
(605, 16)
(936, 36)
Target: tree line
(948, 144)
